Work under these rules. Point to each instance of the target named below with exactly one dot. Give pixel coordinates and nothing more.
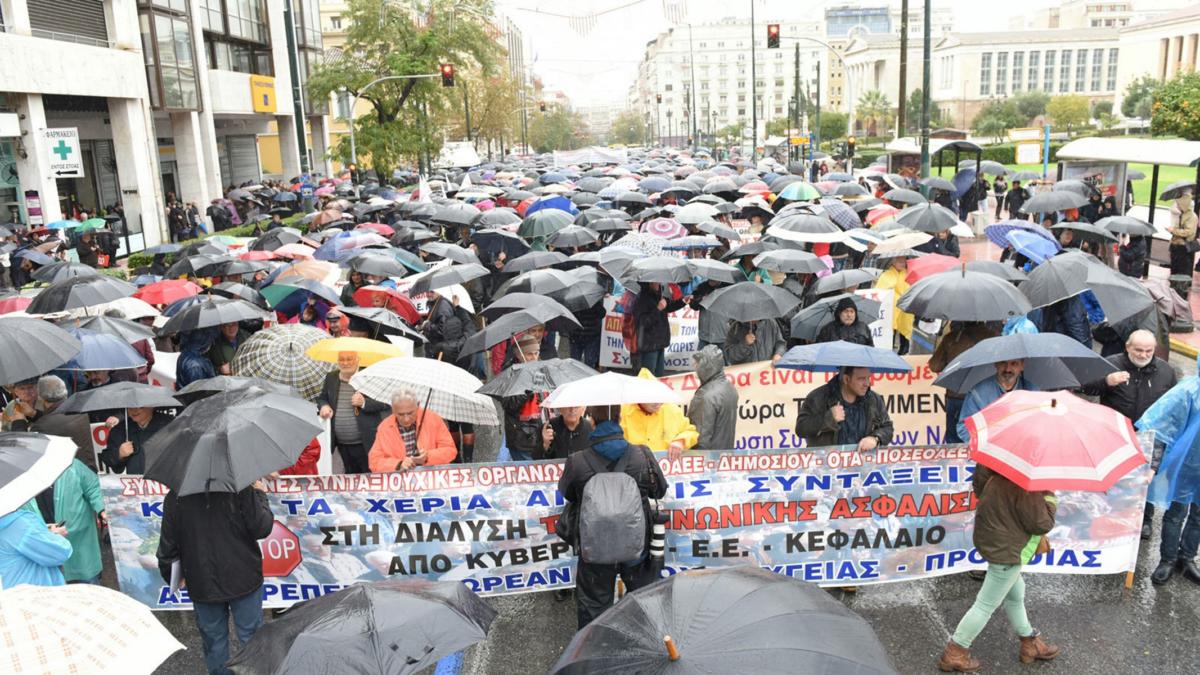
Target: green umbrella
(91, 224)
(544, 223)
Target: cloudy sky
(599, 65)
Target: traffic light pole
(360, 92)
(753, 87)
(927, 57)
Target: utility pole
(925, 93)
(289, 27)
(467, 108)
(796, 99)
(753, 86)
(693, 105)
(816, 129)
(901, 122)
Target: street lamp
(372, 83)
(670, 129)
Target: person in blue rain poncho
(1175, 420)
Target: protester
(999, 187)
(845, 411)
(565, 434)
(22, 407)
(523, 421)
(52, 391)
(593, 582)
(193, 365)
(229, 337)
(754, 341)
(1066, 317)
(846, 325)
(1131, 257)
(88, 250)
(125, 450)
(713, 409)
(650, 328)
(1009, 377)
(213, 537)
(1183, 233)
(411, 436)
(32, 552)
(894, 278)
(74, 502)
(355, 417)
(1010, 528)
(658, 426)
(1014, 199)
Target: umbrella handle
(672, 650)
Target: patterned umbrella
(837, 211)
(276, 354)
(665, 228)
(997, 233)
(800, 192)
(441, 387)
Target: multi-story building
(1075, 14)
(1162, 48)
(165, 97)
(599, 119)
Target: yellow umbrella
(369, 351)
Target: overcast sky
(600, 65)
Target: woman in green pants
(1010, 525)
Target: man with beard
(1009, 377)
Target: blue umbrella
(102, 352)
(829, 357)
(410, 260)
(1032, 246)
(145, 279)
(963, 180)
(34, 256)
(345, 243)
(552, 202)
(997, 233)
(654, 184)
(285, 197)
(63, 224)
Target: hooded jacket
(856, 333)
(658, 430)
(1009, 522)
(902, 321)
(29, 553)
(768, 343)
(76, 503)
(651, 323)
(193, 365)
(713, 410)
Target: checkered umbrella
(80, 628)
(441, 387)
(276, 354)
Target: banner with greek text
(832, 516)
(685, 338)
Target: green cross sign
(62, 150)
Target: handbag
(102, 260)
(1192, 246)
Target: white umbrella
(133, 308)
(80, 628)
(444, 388)
(29, 463)
(610, 389)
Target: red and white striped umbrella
(667, 228)
(1054, 441)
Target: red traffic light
(447, 75)
(772, 36)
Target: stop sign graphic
(280, 551)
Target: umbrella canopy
(213, 311)
(536, 376)
(279, 292)
(392, 626)
(727, 620)
(807, 323)
(904, 196)
(448, 276)
(81, 628)
(1086, 229)
(903, 241)
(829, 357)
(227, 441)
(381, 264)
(544, 223)
(441, 387)
(748, 301)
(29, 463)
(930, 264)
(799, 192)
(126, 330)
(201, 389)
(718, 230)
(33, 347)
(928, 217)
(533, 260)
(1177, 189)
(386, 321)
(273, 239)
(455, 213)
(1051, 201)
(696, 213)
(840, 213)
(1054, 441)
(939, 183)
(850, 190)
(610, 389)
(543, 282)
(369, 351)
(661, 269)
(667, 228)
(573, 236)
(997, 269)
(198, 264)
(513, 323)
(846, 279)
(277, 354)
(451, 252)
(805, 228)
(515, 302)
(75, 292)
(1052, 361)
(790, 261)
(1032, 246)
(959, 295)
(102, 352)
(493, 242)
(1126, 225)
(118, 396)
(63, 270)
(167, 291)
(1166, 299)
(715, 270)
(1070, 274)
(236, 291)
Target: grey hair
(51, 388)
(1141, 333)
(405, 394)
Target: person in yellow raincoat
(894, 278)
(658, 426)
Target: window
(1110, 83)
(779, 82)
(1048, 72)
(167, 50)
(1018, 70)
(778, 110)
(667, 87)
(741, 112)
(741, 84)
(1034, 66)
(704, 84)
(335, 22)
(237, 36)
(1064, 72)
(1097, 66)
(985, 74)
(343, 105)
(1001, 73)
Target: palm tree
(875, 110)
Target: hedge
(139, 259)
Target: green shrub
(136, 260)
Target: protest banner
(685, 338)
(882, 333)
(831, 516)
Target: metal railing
(61, 37)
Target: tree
(1176, 107)
(1102, 108)
(387, 39)
(731, 134)
(1031, 104)
(1068, 111)
(997, 117)
(875, 112)
(912, 114)
(494, 104)
(833, 125)
(557, 129)
(1139, 96)
(778, 126)
(628, 129)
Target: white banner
(684, 338)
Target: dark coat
(1145, 386)
(566, 442)
(1008, 517)
(1068, 317)
(815, 422)
(1131, 259)
(135, 463)
(857, 333)
(215, 536)
(369, 417)
(653, 327)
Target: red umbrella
(166, 291)
(379, 228)
(1054, 441)
(15, 303)
(258, 255)
(390, 298)
(524, 206)
(928, 265)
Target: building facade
(166, 97)
(1161, 48)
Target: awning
(912, 146)
(1140, 150)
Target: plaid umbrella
(276, 354)
(997, 233)
(441, 387)
(80, 628)
(842, 215)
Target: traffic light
(541, 106)
(772, 36)
(658, 98)
(850, 146)
(447, 75)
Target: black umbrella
(1087, 229)
(804, 227)
(201, 389)
(227, 441)
(497, 217)
(119, 396)
(1052, 361)
(752, 249)
(386, 322)
(232, 289)
(32, 347)
(790, 261)
(748, 301)
(726, 620)
(807, 323)
(997, 269)
(544, 223)
(861, 206)
(1126, 225)
(493, 242)
(377, 263)
(1069, 274)
(928, 217)
(411, 235)
(904, 196)
(509, 325)
(572, 236)
(30, 463)
(273, 239)
(609, 224)
(236, 268)
(718, 229)
(543, 282)
(581, 259)
(455, 213)
(197, 264)
(212, 312)
(581, 296)
(661, 269)
(447, 276)
(1178, 189)
(1077, 186)
(58, 271)
(849, 190)
(77, 292)
(536, 376)
(715, 270)
(959, 295)
(397, 626)
(631, 198)
(515, 302)
(1051, 201)
(938, 183)
(840, 281)
(451, 252)
(126, 330)
(202, 247)
(532, 261)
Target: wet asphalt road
(1101, 626)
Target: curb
(1181, 347)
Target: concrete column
(319, 133)
(289, 151)
(16, 16)
(137, 167)
(190, 171)
(1174, 48)
(211, 162)
(32, 155)
(1189, 58)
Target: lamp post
(360, 92)
(670, 129)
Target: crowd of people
(441, 266)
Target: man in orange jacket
(411, 436)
